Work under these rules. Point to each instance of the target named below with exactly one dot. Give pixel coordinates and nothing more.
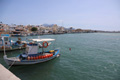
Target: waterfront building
(19, 32)
(12, 28)
(61, 29)
(4, 28)
(55, 28)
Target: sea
(84, 56)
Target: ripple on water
(93, 56)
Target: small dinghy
(31, 55)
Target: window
(6, 39)
(0, 38)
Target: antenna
(62, 23)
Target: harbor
(48, 29)
(59, 40)
(97, 57)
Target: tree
(34, 29)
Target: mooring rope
(11, 65)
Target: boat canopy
(5, 35)
(41, 40)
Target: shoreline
(63, 33)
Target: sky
(83, 14)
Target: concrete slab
(5, 74)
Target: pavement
(5, 74)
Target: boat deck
(1, 50)
(14, 58)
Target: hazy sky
(84, 14)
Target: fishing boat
(31, 55)
(9, 44)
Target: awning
(41, 40)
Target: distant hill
(48, 25)
(69, 29)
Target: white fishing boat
(31, 55)
(9, 44)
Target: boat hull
(2, 50)
(16, 61)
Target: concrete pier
(5, 74)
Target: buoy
(42, 57)
(39, 57)
(36, 57)
(69, 49)
(28, 58)
(52, 54)
(31, 58)
(46, 56)
(45, 42)
(49, 55)
(51, 51)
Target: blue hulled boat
(10, 45)
(31, 55)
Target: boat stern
(5, 59)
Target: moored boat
(31, 55)
(9, 44)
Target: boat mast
(42, 50)
(4, 45)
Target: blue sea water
(93, 56)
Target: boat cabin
(32, 48)
(5, 38)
